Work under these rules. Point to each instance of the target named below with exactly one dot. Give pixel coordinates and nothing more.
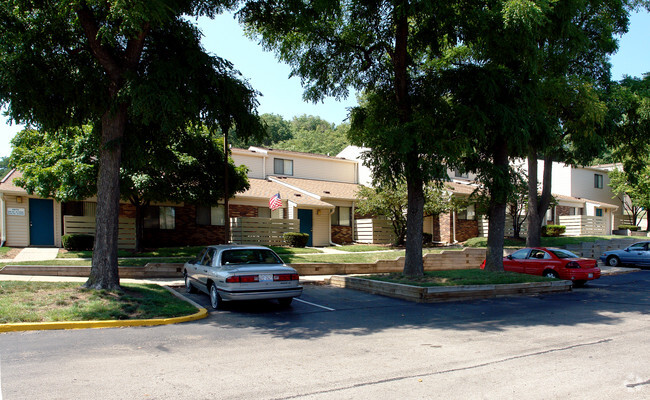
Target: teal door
(41, 222)
(306, 223)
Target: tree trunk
(104, 273)
(413, 264)
(533, 237)
(226, 211)
(537, 208)
(497, 212)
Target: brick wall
(187, 231)
(465, 229)
(341, 234)
(563, 210)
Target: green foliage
(553, 230)
(391, 202)
(628, 227)
(307, 134)
(633, 190)
(458, 278)
(77, 242)
(296, 239)
(4, 166)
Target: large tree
(385, 50)
(104, 63)
(63, 165)
(574, 71)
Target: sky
(281, 95)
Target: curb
(42, 326)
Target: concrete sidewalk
(33, 254)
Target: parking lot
(338, 343)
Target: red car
(551, 263)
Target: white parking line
(315, 305)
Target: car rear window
(563, 254)
(249, 256)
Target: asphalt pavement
(335, 343)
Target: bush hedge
(77, 242)
(553, 230)
(629, 227)
(295, 239)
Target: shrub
(295, 239)
(427, 238)
(553, 230)
(629, 227)
(77, 242)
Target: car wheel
(215, 299)
(285, 301)
(579, 283)
(551, 274)
(188, 285)
(613, 261)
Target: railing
(262, 231)
(583, 225)
(86, 226)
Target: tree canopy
(105, 63)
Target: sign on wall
(20, 212)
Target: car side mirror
(627, 249)
(509, 256)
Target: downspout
(264, 166)
(4, 219)
(453, 225)
(330, 233)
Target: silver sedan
(240, 272)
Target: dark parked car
(637, 254)
(240, 272)
(552, 263)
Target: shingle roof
(7, 183)
(460, 188)
(583, 200)
(264, 189)
(326, 190)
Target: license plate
(266, 277)
(591, 275)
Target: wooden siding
(262, 231)
(255, 164)
(315, 168)
(17, 226)
(376, 231)
(86, 226)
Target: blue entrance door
(41, 222)
(306, 224)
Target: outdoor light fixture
(19, 199)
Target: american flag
(275, 202)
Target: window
(563, 254)
(206, 215)
(468, 214)
(598, 181)
(209, 255)
(599, 212)
(539, 254)
(282, 167)
(520, 254)
(167, 218)
(249, 256)
(342, 216)
(459, 174)
(159, 217)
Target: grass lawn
(362, 247)
(351, 257)
(185, 253)
(124, 262)
(55, 301)
(4, 250)
(546, 241)
(459, 277)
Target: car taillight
(285, 277)
(572, 264)
(243, 279)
